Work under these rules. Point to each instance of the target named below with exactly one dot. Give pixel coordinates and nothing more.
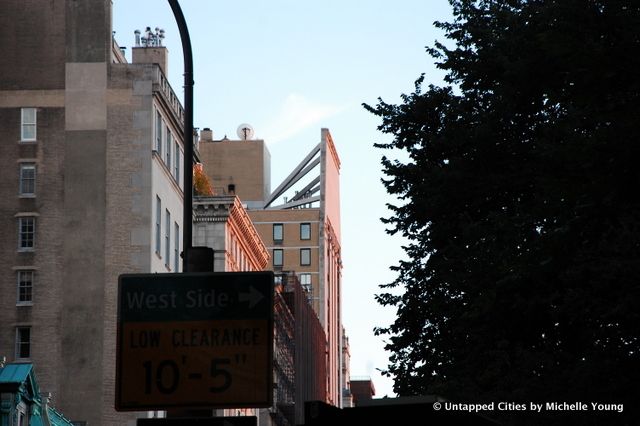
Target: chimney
(148, 49)
(206, 135)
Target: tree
(519, 202)
(201, 182)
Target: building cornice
(169, 100)
(254, 245)
(212, 209)
(229, 209)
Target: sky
(290, 68)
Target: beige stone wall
(93, 194)
(244, 164)
(129, 204)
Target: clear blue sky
(289, 68)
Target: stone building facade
(90, 188)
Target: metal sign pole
(187, 212)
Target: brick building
(299, 222)
(90, 183)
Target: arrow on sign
(253, 297)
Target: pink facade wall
(332, 265)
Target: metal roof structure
(16, 377)
(15, 373)
(19, 379)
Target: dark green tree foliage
(520, 199)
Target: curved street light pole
(187, 212)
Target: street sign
(194, 340)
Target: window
(167, 239)
(176, 167)
(305, 231)
(169, 147)
(278, 232)
(277, 257)
(26, 233)
(158, 223)
(28, 124)
(27, 179)
(22, 413)
(176, 247)
(23, 342)
(159, 132)
(305, 281)
(305, 257)
(25, 287)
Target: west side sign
(194, 340)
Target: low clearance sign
(194, 340)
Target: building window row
(26, 227)
(167, 146)
(27, 171)
(278, 257)
(278, 232)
